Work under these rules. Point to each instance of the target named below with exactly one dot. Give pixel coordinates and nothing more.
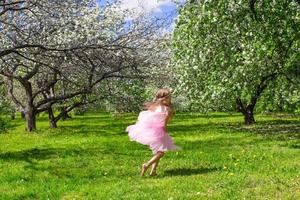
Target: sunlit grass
(90, 157)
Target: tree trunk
(248, 108)
(53, 124)
(22, 115)
(30, 114)
(65, 114)
(247, 111)
(30, 119)
(249, 117)
(30, 111)
(13, 115)
(51, 117)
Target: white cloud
(147, 6)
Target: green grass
(90, 157)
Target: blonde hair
(160, 99)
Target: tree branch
(240, 105)
(61, 97)
(260, 88)
(11, 3)
(12, 95)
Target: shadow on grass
(282, 130)
(33, 154)
(189, 171)
(295, 146)
(199, 128)
(30, 156)
(37, 154)
(101, 119)
(207, 116)
(89, 130)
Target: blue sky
(155, 8)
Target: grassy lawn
(90, 157)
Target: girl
(150, 129)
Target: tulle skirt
(150, 130)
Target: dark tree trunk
(30, 119)
(53, 124)
(22, 115)
(51, 117)
(249, 117)
(65, 110)
(64, 114)
(247, 111)
(13, 115)
(30, 114)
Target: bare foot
(153, 173)
(144, 169)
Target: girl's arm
(169, 115)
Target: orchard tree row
(65, 54)
(229, 55)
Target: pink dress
(150, 130)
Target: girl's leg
(154, 166)
(153, 160)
